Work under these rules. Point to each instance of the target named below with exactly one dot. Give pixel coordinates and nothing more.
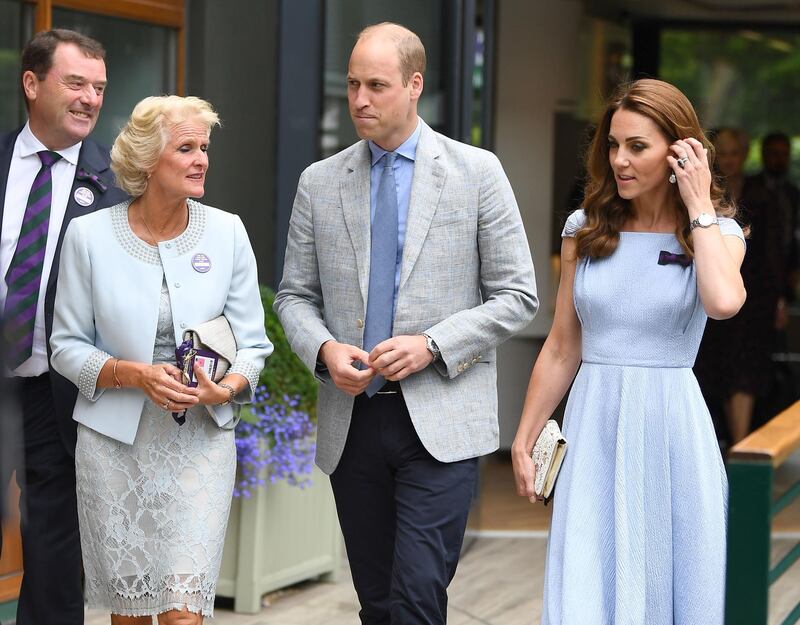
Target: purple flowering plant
(275, 437)
(275, 443)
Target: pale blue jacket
(108, 299)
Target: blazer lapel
(91, 162)
(426, 189)
(354, 191)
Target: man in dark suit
(49, 173)
(775, 193)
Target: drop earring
(672, 179)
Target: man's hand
(339, 359)
(400, 356)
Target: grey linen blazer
(466, 279)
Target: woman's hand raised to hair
(694, 177)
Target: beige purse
(547, 455)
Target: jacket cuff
(87, 379)
(251, 372)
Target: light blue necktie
(382, 261)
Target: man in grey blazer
(406, 265)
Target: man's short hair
(776, 137)
(37, 55)
(409, 47)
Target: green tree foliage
(285, 375)
(741, 78)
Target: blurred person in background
(774, 188)
(734, 365)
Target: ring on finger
(166, 404)
(682, 161)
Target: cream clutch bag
(548, 454)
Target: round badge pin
(201, 263)
(83, 196)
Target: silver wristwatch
(433, 348)
(704, 220)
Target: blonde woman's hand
(163, 385)
(209, 392)
(694, 176)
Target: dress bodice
(634, 311)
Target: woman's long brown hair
(606, 212)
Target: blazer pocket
(446, 220)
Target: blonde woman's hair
(142, 140)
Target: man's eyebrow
(78, 77)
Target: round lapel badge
(201, 263)
(83, 196)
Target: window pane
(12, 26)
(140, 61)
(344, 19)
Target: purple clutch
(212, 346)
(186, 355)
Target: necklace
(149, 231)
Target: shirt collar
(29, 144)
(408, 148)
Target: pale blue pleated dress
(639, 515)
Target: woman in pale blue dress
(639, 516)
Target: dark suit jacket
(771, 228)
(94, 160)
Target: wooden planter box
(281, 535)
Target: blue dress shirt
(403, 176)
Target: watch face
(705, 220)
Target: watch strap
(696, 223)
(433, 348)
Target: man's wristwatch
(704, 220)
(433, 348)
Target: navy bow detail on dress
(93, 178)
(668, 258)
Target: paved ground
(499, 582)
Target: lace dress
(153, 514)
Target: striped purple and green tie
(25, 272)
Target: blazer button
(168, 245)
(360, 323)
(183, 325)
(177, 285)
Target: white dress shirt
(25, 164)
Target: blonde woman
(154, 496)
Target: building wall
(232, 62)
(536, 77)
